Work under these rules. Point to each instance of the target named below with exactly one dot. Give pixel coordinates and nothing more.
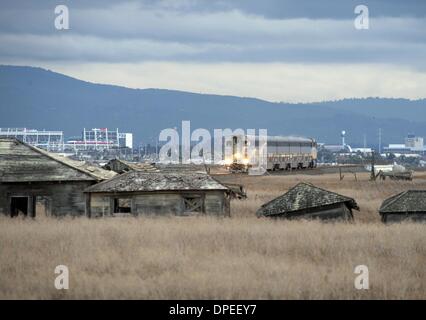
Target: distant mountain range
(41, 99)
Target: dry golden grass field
(241, 257)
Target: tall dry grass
(241, 257)
(368, 194)
(208, 258)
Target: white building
(413, 142)
(365, 151)
(412, 145)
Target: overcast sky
(277, 50)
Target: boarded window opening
(19, 206)
(122, 205)
(193, 204)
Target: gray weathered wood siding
(332, 212)
(401, 217)
(159, 203)
(64, 198)
(217, 203)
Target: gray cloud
(243, 47)
(277, 9)
(182, 31)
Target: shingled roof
(407, 201)
(303, 196)
(155, 167)
(194, 168)
(157, 181)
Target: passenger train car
(282, 153)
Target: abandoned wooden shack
(33, 181)
(307, 201)
(236, 191)
(408, 205)
(158, 193)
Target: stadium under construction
(97, 139)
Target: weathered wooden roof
(21, 162)
(137, 166)
(407, 201)
(157, 167)
(158, 181)
(303, 196)
(195, 168)
(98, 172)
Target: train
(282, 153)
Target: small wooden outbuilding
(33, 181)
(408, 205)
(306, 201)
(158, 193)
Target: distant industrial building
(365, 151)
(338, 148)
(412, 145)
(100, 139)
(48, 140)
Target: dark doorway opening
(19, 206)
(122, 205)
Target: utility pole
(373, 174)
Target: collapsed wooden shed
(307, 201)
(408, 205)
(33, 181)
(158, 193)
